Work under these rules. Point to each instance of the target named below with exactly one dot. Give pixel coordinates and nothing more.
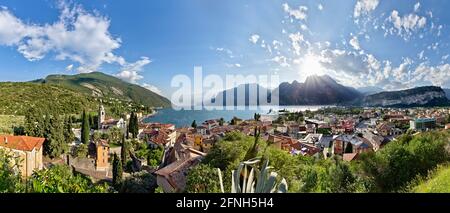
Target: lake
(184, 118)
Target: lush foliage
(399, 162)
(438, 181)
(203, 179)
(60, 179)
(139, 182)
(9, 176)
(49, 125)
(10, 123)
(80, 151)
(155, 155)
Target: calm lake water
(183, 118)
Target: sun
(310, 65)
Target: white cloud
(299, 14)
(131, 72)
(421, 55)
(406, 25)
(226, 51)
(254, 38)
(296, 39)
(320, 7)
(281, 60)
(416, 7)
(303, 27)
(69, 67)
(77, 35)
(436, 75)
(363, 7)
(355, 43)
(152, 88)
(445, 57)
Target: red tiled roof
(24, 143)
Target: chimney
(6, 140)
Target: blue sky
(388, 44)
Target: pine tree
(85, 129)
(69, 136)
(55, 144)
(117, 171)
(124, 151)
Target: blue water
(184, 118)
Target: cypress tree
(135, 126)
(124, 151)
(194, 124)
(117, 171)
(85, 129)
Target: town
(122, 151)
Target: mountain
(447, 93)
(316, 90)
(18, 97)
(369, 90)
(97, 84)
(419, 96)
(251, 95)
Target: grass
(438, 182)
(7, 122)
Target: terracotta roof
(23, 143)
(350, 156)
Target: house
(422, 124)
(210, 124)
(310, 128)
(375, 140)
(27, 149)
(304, 149)
(121, 124)
(385, 129)
(281, 128)
(203, 130)
(177, 162)
(165, 137)
(172, 178)
(102, 155)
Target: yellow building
(27, 149)
(102, 156)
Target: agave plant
(248, 178)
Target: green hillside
(100, 85)
(17, 98)
(439, 182)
